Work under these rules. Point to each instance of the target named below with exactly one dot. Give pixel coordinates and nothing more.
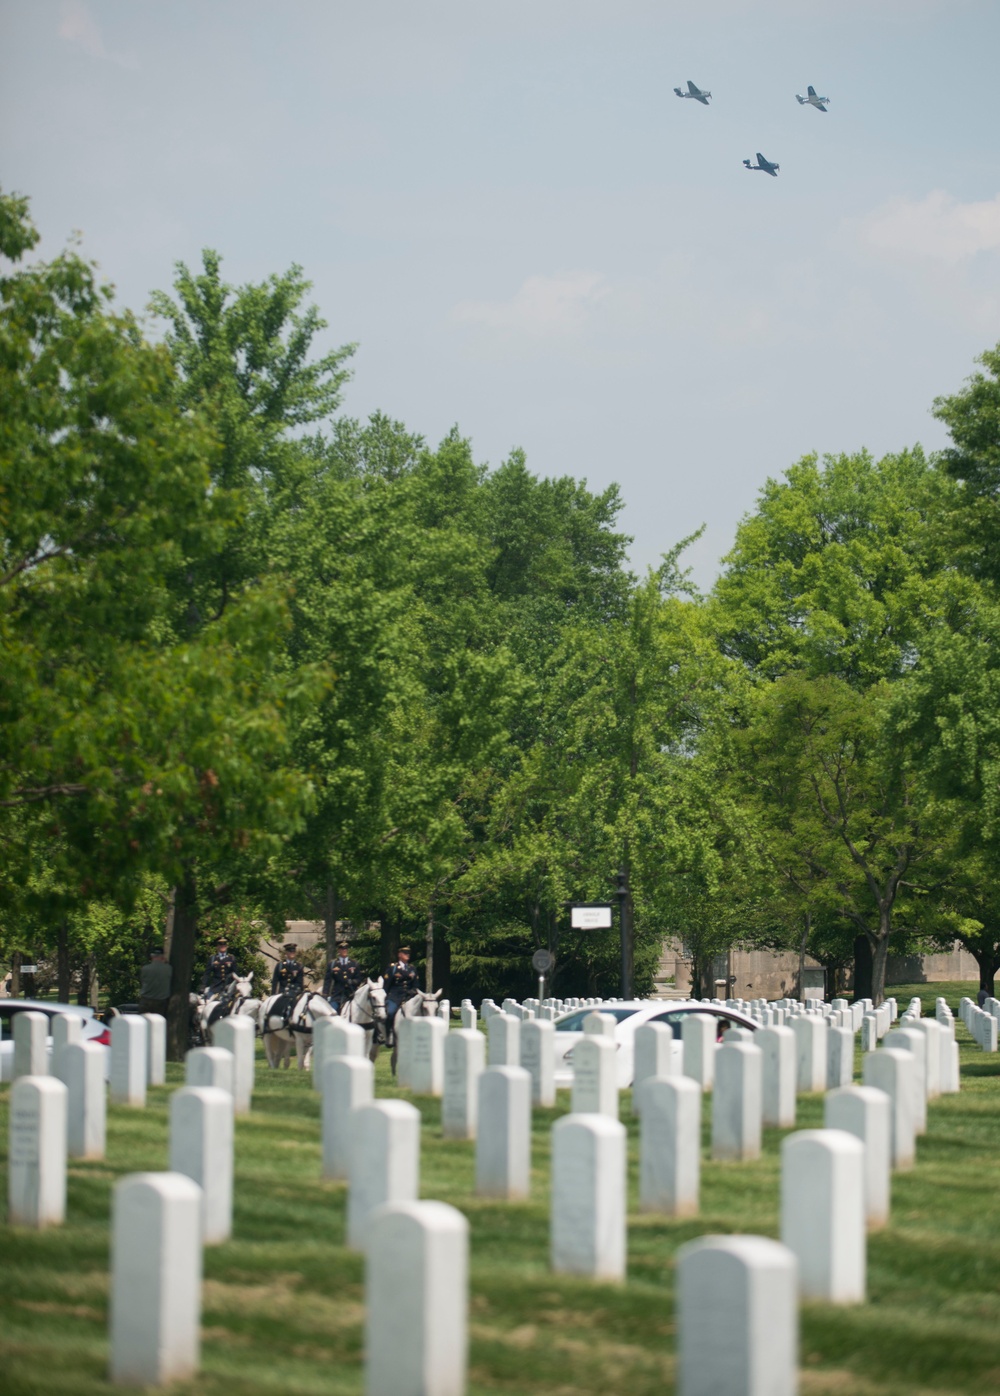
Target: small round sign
(542, 961)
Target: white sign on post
(590, 918)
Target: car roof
(653, 1008)
(46, 1006)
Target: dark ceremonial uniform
(343, 978)
(400, 983)
(221, 969)
(289, 978)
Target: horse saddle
(283, 1008)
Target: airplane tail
(748, 164)
(678, 92)
(801, 100)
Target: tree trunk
(168, 930)
(182, 948)
(880, 959)
(442, 963)
(330, 918)
(862, 968)
(86, 970)
(803, 942)
(388, 940)
(429, 966)
(988, 966)
(15, 975)
(62, 962)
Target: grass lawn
(283, 1301)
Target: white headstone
(417, 1290)
(402, 1031)
(210, 1066)
(669, 1145)
(503, 1142)
(86, 1105)
(894, 1071)
(31, 1054)
(504, 1032)
(238, 1036)
(336, 1037)
(911, 1039)
(427, 1038)
(600, 1024)
(201, 1147)
(464, 1062)
(839, 1057)
(384, 1162)
(36, 1175)
(129, 1037)
(810, 1052)
(469, 1018)
(156, 1049)
(864, 1112)
(155, 1279)
(823, 1213)
(538, 1057)
(931, 1029)
(778, 1075)
(736, 1102)
(66, 1028)
(656, 1052)
(737, 1318)
(595, 1076)
(588, 1196)
(345, 1082)
(698, 1036)
(869, 1032)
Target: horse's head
(243, 988)
(376, 997)
(427, 1004)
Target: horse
(283, 1019)
(418, 1005)
(234, 999)
(366, 1007)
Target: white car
(93, 1029)
(631, 1015)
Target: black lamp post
(625, 929)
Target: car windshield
(573, 1022)
(724, 1021)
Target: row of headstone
(982, 1023)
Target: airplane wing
(694, 91)
(811, 91)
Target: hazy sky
(527, 233)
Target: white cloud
(542, 306)
(937, 227)
(78, 26)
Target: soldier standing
(289, 976)
(221, 968)
(400, 983)
(343, 977)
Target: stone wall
(773, 974)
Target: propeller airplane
(811, 100)
(694, 92)
(765, 166)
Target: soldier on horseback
(289, 976)
(221, 969)
(400, 983)
(343, 977)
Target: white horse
(236, 998)
(366, 1007)
(420, 1005)
(283, 1028)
